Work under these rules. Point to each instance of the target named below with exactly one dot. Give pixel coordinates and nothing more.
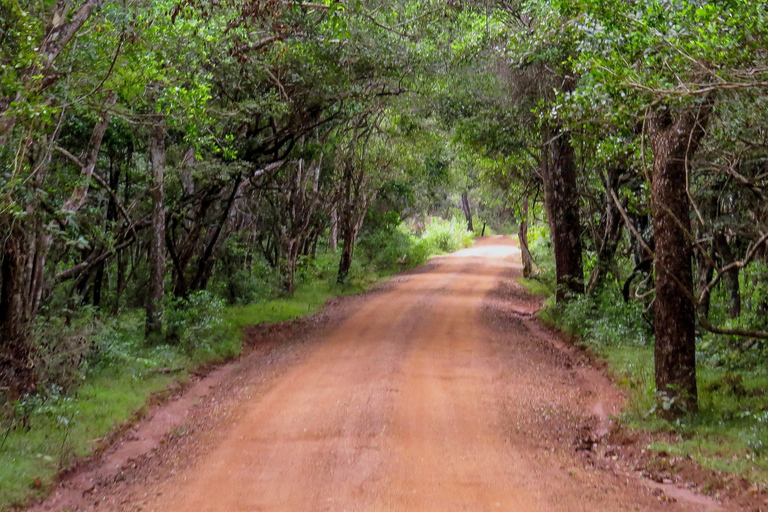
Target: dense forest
(165, 163)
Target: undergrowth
(730, 431)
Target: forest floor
(438, 391)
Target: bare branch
(704, 322)
(751, 253)
(630, 226)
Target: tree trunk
(156, 293)
(704, 272)
(674, 142)
(206, 261)
(119, 283)
(16, 366)
(731, 277)
(333, 238)
(98, 285)
(313, 250)
(611, 226)
(522, 235)
(350, 222)
(289, 272)
(467, 210)
(562, 202)
(347, 252)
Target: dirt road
(438, 394)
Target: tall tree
(675, 137)
(561, 195)
(156, 292)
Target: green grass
(62, 432)
(536, 287)
(308, 299)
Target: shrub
(442, 236)
(732, 352)
(197, 322)
(249, 284)
(402, 249)
(605, 319)
(64, 347)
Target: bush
(398, 248)
(733, 352)
(394, 247)
(324, 267)
(197, 322)
(443, 236)
(63, 351)
(246, 285)
(605, 320)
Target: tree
(674, 141)
(156, 295)
(558, 170)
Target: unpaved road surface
(439, 393)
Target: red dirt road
(430, 396)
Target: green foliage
(406, 245)
(197, 324)
(605, 320)
(408, 106)
(728, 434)
(65, 349)
(48, 431)
(442, 236)
(735, 353)
(394, 248)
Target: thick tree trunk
(16, 366)
(522, 235)
(467, 210)
(156, 292)
(562, 202)
(674, 142)
(731, 277)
